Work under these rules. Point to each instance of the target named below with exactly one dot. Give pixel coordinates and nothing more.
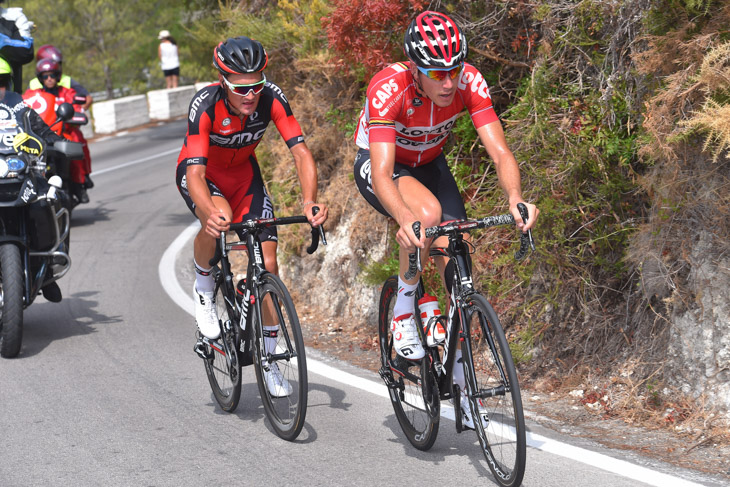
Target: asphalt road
(107, 390)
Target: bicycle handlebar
(461, 226)
(260, 224)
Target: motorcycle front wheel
(11, 297)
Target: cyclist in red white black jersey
(218, 175)
(400, 169)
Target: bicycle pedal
(199, 348)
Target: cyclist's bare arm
(382, 164)
(214, 219)
(508, 172)
(307, 173)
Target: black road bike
(417, 387)
(242, 341)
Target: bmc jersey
(396, 112)
(219, 139)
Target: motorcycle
(34, 225)
(43, 103)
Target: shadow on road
(45, 323)
(449, 443)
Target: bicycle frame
(255, 269)
(462, 286)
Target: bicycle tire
(503, 439)
(417, 407)
(225, 379)
(11, 287)
(287, 412)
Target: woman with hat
(169, 62)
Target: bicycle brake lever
(526, 239)
(317, 234)
(315, 210)
(414, 260)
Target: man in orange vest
(49, 74)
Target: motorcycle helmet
(239, 55)
(433, 40)
(49, 51)
(46, 66)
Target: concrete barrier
(122, 113)
(167, 104)
(131, 111)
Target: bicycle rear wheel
(285, 405)
(224, 373)
(491, 384)
(411, 385)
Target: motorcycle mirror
(65, 111)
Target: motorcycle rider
(14, 108)
(49, 51)
(49, 74)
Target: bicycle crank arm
(213, 344)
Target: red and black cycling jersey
(219, 139)
(396, 112)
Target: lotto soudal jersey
(396, 112)
(219, 139)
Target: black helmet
(434, 40)
(239, 55)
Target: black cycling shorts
(434, 175)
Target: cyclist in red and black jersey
(400, 169)
(218, 175)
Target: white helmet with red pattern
(433, 40)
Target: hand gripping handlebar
(526, 240)
(257, 225)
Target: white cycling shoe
(405, 337)
(206, 315)
(466, 417)
(277, 385)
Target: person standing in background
(169, 61)
(16, 43)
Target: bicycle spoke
(494, 389)
(417, 416)
(281, 371)
(224, 373)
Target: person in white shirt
(169, 61)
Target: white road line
(623, 468)
(138, 161)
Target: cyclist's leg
(447, 192)
(203, 250)
(271, 320)
(204, 244)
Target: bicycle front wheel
(280, 360)
(222, 365)
(492, 387)
(411, 385)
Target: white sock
(405, 299)
(270, 336)
(204, 281)
(458, 373)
